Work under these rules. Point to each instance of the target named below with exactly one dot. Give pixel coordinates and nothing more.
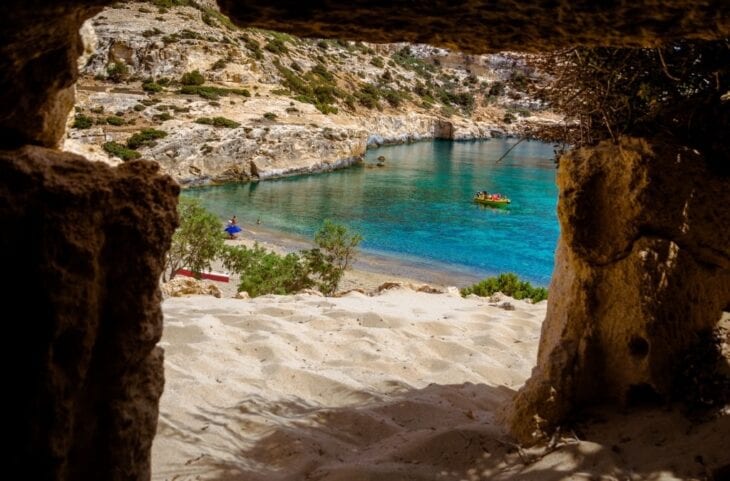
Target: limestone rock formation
(368, 95)
(83, 247)
(642, 267)
(180, 286)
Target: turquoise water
(418, 208)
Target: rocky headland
(230, 104)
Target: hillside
(176, 82)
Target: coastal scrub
(508, 284)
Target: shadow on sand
(446, 432)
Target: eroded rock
(642, 266)
(481, 25)
(83, 245)
(180, 286)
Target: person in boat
(232, 228)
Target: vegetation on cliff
(182, 60)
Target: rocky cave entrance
(636, 278)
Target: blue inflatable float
(233, 229)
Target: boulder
(180, 286)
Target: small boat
(491, 200)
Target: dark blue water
(419, 207)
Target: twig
(608, 125)
(664, 66)
(520, 451)
(510, 150)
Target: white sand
(400, 386)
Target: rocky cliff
(231, 104)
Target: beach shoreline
(370, 269)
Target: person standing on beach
(232, 228)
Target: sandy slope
(399, 386)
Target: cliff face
(296, 105)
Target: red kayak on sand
(213, 276)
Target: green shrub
(219, 64)
(368, 96)
(270, 116)
(276, 46)
(253, 46)
(197, 241)
(183, 34)
(117, 72)
(321, 71)
(508, 118)
(139, 107)
(508, 284)
(82, 121)
(377, 62)
(218, 122)
(393, 97)
(152, 32)
(211, 14)
(263, 272)
(465, 100)
(145, 138)
(405, 58)
(317, 87)
(192, 78)
(115, 120)
(150, 86)
(162, 117)
(118, 150)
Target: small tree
(335, 253)
(264, 272)
(196, 242)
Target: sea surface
(417, 210)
